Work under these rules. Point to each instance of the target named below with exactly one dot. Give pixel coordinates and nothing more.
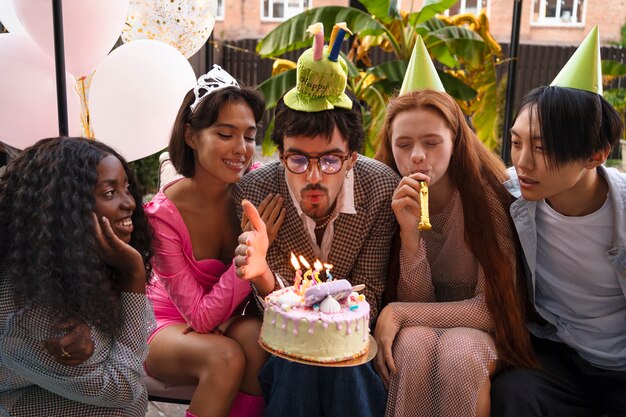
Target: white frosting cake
(327, 322)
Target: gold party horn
(424, 219)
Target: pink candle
(298, 279)
(317, 29)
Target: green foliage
(147, 172)
(612, 70)
(292, 35)
(463, 45)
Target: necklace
(325, 222)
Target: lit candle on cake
(328, 268)
(318, 267)
(308, 273)
(317, 30)
(296, 266)
(336, 38)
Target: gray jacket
(523, 213)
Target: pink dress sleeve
(204, 301)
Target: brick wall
(610, 15)
(242, 19)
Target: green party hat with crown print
(583, 70)
(421, 73)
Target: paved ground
(165, 410)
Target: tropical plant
(462, 45)
(612, 70)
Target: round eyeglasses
(328, 163)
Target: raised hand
(405, 203)
(385, 333)
(272, 213)
(120, 255)
(250, 254)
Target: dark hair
(289, 122)
(573, 123)
(205, 115)
(48, 246)
(478, 175)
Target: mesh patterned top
(444, 351)
(109, 383)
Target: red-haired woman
(457, 317)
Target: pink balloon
(90, 29)
(28, 111)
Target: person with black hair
(570, 217)
(75, 251)
(338, 210)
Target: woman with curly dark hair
(75, 247)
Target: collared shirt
(345, 204)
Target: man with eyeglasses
(338, 210)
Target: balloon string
(84, 115)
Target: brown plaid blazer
(361, 242)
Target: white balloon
(135, 95)
(28, 110)
(8, 18)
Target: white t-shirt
(576, 287)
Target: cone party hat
(583, 70)
(421, 73)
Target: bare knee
(245, 330)
(225, 359)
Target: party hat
(583, 70)
(321, 77)
(421, 73)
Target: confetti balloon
(184, 24)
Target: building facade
(563, 22)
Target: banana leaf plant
(462, 45)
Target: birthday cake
(319, 322)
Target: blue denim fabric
(296, 390)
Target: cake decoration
(323, 322)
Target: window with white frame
(558, 12)
(220, 10)
(469, 6)
(283, 9)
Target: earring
(347, 173)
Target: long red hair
(476, 172)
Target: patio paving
(157, 409)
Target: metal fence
(537, 64)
